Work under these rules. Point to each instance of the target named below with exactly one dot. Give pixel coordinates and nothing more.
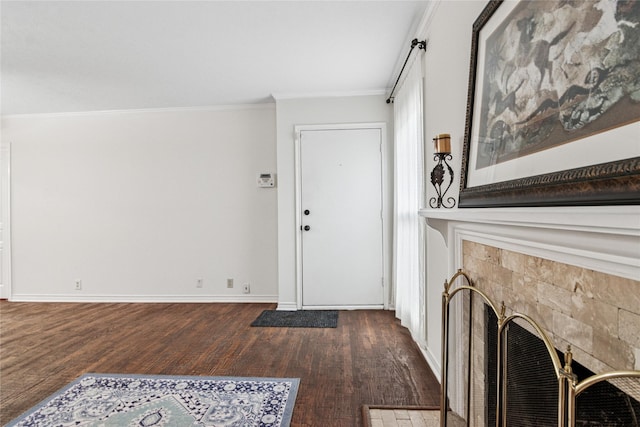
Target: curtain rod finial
(421, 44)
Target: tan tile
(495, 292)
(493, 255)
(585, 359)
(554, 297)
(416, 418)
(539, 269)
(476, 268)
(513, 261)
(603, 316)
(375, 414)
(629, 327)
(404, 418)
(525, 293)
(502, 276)
(613, 351)
(481, 252)
(509, 298)
(573, 331)
(483, 271)
(573, 278)
(430, 416)
(544, 317)
(401, 414)
(389, 418)
(617, 291)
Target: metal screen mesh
(518, 383)
(531, 397)
(612, 403)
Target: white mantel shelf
(620, 220)
(603, 238)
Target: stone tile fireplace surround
(574, 270)
(597, 313)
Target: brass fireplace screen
(504, 371)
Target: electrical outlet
(246, 288)
(229, 283)
(198, 283)
(78, 285)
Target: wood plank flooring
(369, 359)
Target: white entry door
(341, 218)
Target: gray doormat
(298, 319)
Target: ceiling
(74, 56)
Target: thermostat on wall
(266, 180)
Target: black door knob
(307, 212)
(307, 228)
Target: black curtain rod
(421, 45)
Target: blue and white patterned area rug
(137, 400)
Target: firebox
(531, 385)
(503, 370)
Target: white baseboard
(146, 298)
(342, 307)
(287, 306)
(292, 306)
(433, 363)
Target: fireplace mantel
(594, 245)
(602, 238)
(623, 220)
(592, 239)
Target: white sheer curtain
(408, 234)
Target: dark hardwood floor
(368, 359)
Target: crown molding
(301, 95)
(212, 108)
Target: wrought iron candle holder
(442, 154)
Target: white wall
(446, 81)
(292, 112)
(447, 58)
(139, 205)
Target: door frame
(5, 220)
(385, 213)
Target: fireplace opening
(532, 386)
(608, 403)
